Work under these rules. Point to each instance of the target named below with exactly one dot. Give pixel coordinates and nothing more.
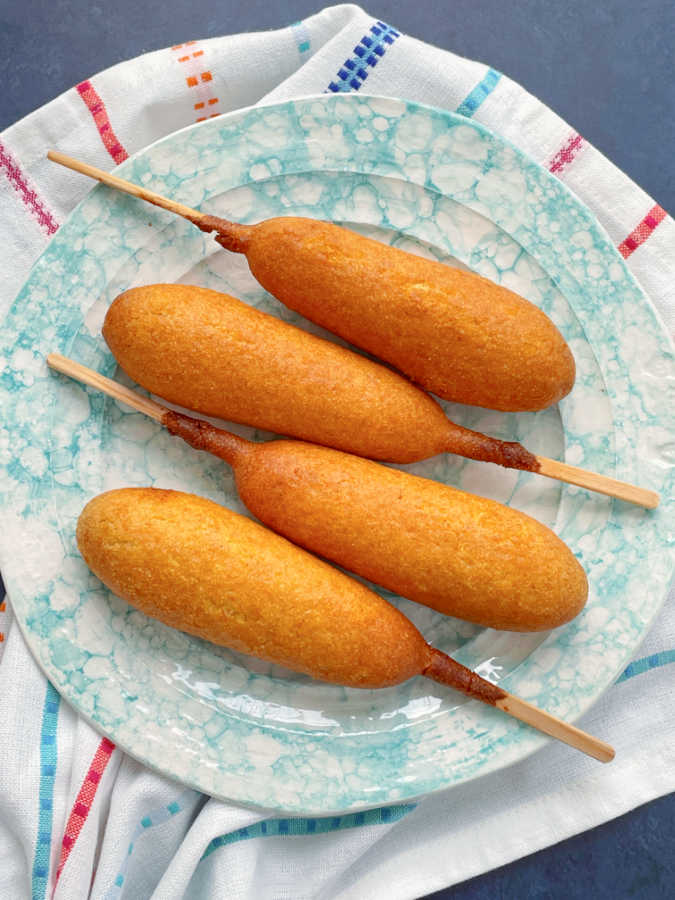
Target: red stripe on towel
(97, 109)
(640, 234)
(26, 191)
(84, 800)
(566, 154)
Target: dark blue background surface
(606, 68)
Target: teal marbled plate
(438, 184)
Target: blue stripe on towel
(298, 827)
(482, 90)
(43, 840)
(367, 53)
(155, 817)
(640, 666)
(302, 37)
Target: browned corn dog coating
(463, 555)
(209, 352)
(201, 568)
(455, 333)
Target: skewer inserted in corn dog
(214, 354)
(455, 333)
(196, 566)
(209, 352)
(471, 343)
(462, 555)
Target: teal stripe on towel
(43, 840)
(297, 827)
(640, 666)
(482, 90)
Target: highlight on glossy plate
(417, 178)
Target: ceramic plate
(431, 182)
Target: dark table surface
(606, 68)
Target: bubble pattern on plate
(429, 181)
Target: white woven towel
(70, 804)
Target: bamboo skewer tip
(446, 670)
(601, 484)
(127, 187)
(556, 728)
(113, 389)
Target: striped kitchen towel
(80, 818)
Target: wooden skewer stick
(443, 668)
(106, 386)
(126, 187)
(448, 671)
(549, 467)
(602, 484)
(561, 731)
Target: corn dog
(199, 567)
(209, 352)
(463, 555)
(212, 573)
(454, 333)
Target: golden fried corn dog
(210, 572)
(212, 353)
(454, 333)
(201, 568)
(463, 555)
